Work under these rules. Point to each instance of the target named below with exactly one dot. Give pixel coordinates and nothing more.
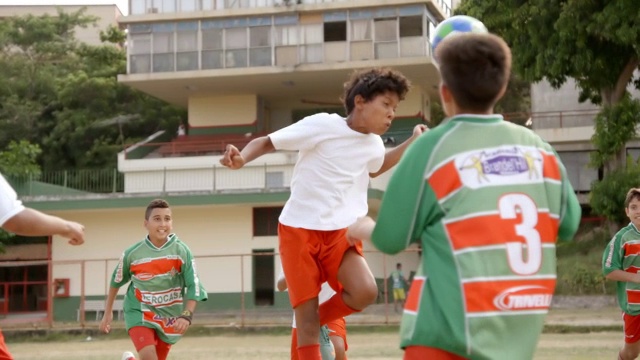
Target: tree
(593, 42)
(63, 95)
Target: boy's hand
(419, 130)
(74, 232)
(181, 325)
(359, 230)
(232, 158)
(105, 324)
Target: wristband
(187, 315)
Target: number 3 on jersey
(509, 206)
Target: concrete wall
(223, 110)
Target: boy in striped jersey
(486, 199)
(620, 262)
(164, 289)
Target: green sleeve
(409, 204)
(570, 211)
(612, 257)
(193, 287)
(122, 273)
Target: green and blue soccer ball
(456, 25)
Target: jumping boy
(164, 289)
(328, 192)
(20, 220)
(621, 263)
(487, 200)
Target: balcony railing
(97, 183)
(142, 7)
(563, 119)
(69, 183)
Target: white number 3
(509, 206)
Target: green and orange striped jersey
(486, 199)
(623, 253)
(162, 279)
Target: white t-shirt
(9, 203)
(330, 179)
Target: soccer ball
(455, 25)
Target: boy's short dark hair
(475, 68)
(633, 193)
(373, 82)
(155, 204)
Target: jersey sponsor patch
(160, 298)
(525, 297)
(500, 165)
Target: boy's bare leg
(360, 288)
(338, 346)
(307, 322)
(147, 353)
(630, 351)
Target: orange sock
(309, 352)
(334, 308)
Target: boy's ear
(445, 95)
(358, 100)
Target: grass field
(373, 346)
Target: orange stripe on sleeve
(496, 231)
(550, 167)
(511, 295)
(413, 298)
(633, 296)
(445, 180)
(631, 249)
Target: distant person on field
(398, 282)
(621, 263)
(21, 220)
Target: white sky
(123, 5)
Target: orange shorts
(143, 336)
(423, 352)
(631, 328)
(338, 327)
(4, 352)
(311, 257)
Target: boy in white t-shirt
(21, 220)
(328, 193)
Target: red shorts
(4, 352)
(338, 328)
(143, 336)
(631, 328)
(423, 352)
(311, 257)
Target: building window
(163, 47)
(265, 221)
(386, 38)
(187, 46)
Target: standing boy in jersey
(620, 262)
(487, 200)
(20, 220)
(329, 192)
(164, 289)
(397, 285)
